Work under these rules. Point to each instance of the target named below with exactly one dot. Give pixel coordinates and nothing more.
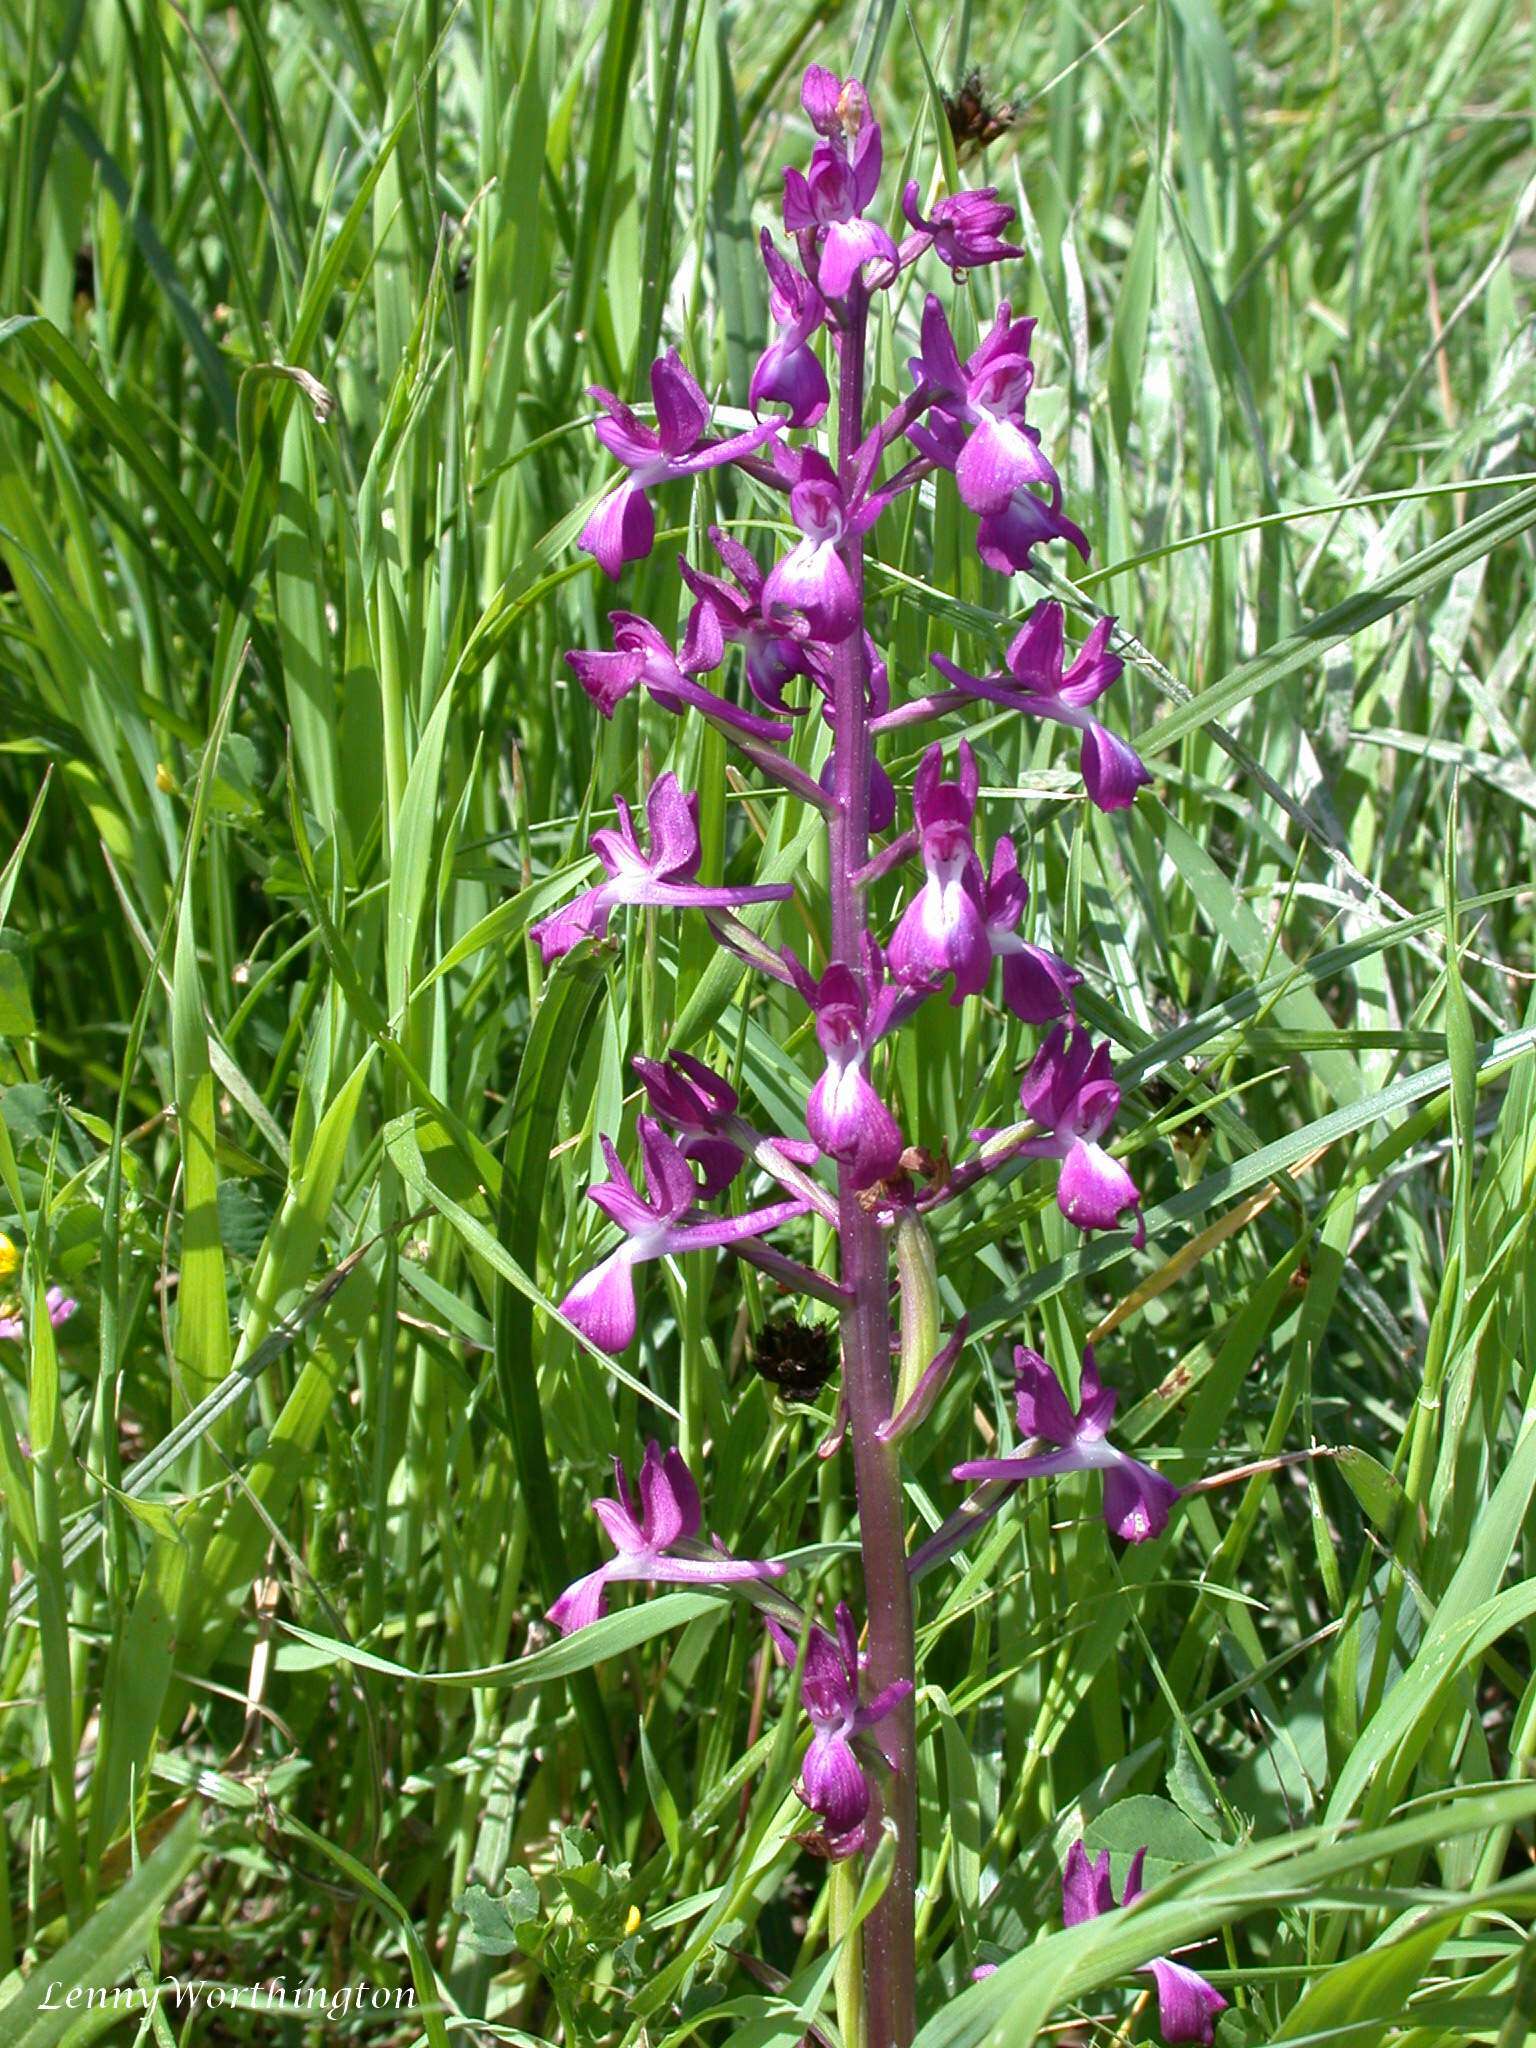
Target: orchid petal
(622, 529)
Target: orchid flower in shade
(1037, 984)
(700, 1105)
(1037, 682)
(853, 1009)
(623, 527)
(1186, 2004)
(834, 1780)
(943, 929)
(704, 1109)
(1137, 1500)
(602, 1303)
(662, 876)
(641, 655)
(776, 648)
(964, 230)
(1070, 1092)
(877, 699)
(789, 371)
(812, 578)
(825, 205)
(60, 1306)
(655, 1538)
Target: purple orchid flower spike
(1070, 1092)
(812, 578)
(655, 1538)
(1037, 984)
(834, 1778)
(60, 1306)
(853, 1009)
(643, 656)
(664, 876)
(824, 206)
(943, 930)
(1038, 683)
(1137, 1500)
(602, 1303)
(623, 528)
(1186, 2004)
(964, 230)
(777, 649)
(789, 371)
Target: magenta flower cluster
(1187, 2004)
(804, 628)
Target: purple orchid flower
(1036, 682)
(789, 371)
(1137, 1500)
(943, 929)
(812, 578)
(704, 1109)
(988, 393)
(60, 1306)
(964, 229)
(602, 1303)
(1070, 1092)
(623, 528)
(853, 1009)
(662, 876)
(834, 1781)
(1037, 984)
(701, 1106)
(825, 205)
(642, 655)
(655, 1539)
(1186, 2004)
(776, 648)
(1007, 537)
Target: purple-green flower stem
(890, 1931)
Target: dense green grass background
(302, 303)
